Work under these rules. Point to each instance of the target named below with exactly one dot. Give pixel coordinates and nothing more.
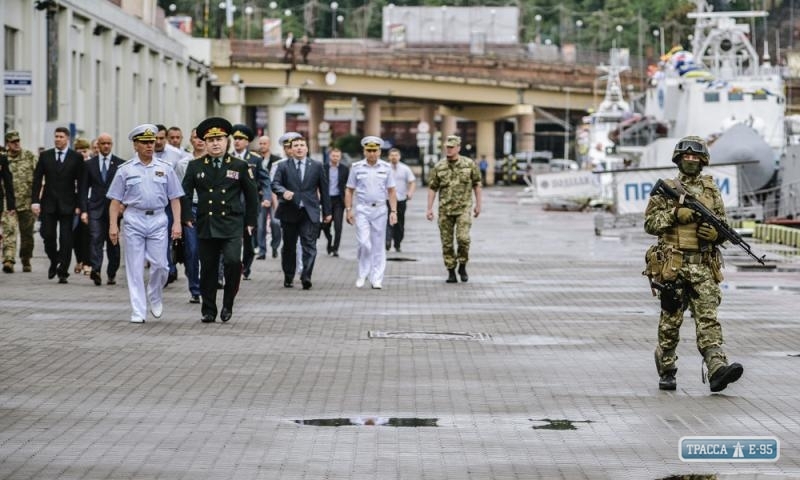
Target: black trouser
(58, 251)
(98, 234)
(308, 232)
(337, 206)
(397, 231)
(81, 243)
(247, 251)
(210, 250)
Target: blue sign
(729, 449)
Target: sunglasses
(691, 146)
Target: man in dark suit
(242, 136)
(301, 186)
(337, 182)
(227, 203)
(97, 178)
(60, 169)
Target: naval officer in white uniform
(143, 187)
(373, 183)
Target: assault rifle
(705, 215)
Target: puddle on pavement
(690, 477)
(370, 422)
(429, 335)
(558, 424)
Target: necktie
(300, 169)
(59, 156)
(104, 169)
(217, 162)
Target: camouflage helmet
(691, 144)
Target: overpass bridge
(412, 85)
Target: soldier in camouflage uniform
(455, 178)
(22, 163)
(690, 264)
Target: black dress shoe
(171, 278)
(261, 257)
(95, 276)
(225, 314)
(112, 280)
(335, 253)
(62, 279)
(274, 253)
(207, 318)
(194, 299)
(306, 284)
(288, 281)
(51, 272)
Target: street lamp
(578, 27)
(659, 34)
(619, 29)
(248, 11)
(538, 19)
(334, 6)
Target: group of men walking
(217, 204)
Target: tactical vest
(684, 237)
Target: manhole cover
(430, 335)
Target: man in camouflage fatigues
(22, 163)
(689, 268)
(455, 178)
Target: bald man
(97, 177)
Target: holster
(674, 297)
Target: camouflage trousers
(702, 296)
(458, 225)
(22, 221)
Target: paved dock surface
(541, 366)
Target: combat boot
(667, 380)
(451, 278)
(26, 264)
(8, 266)
(462, 272)
(725, 375)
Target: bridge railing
(501, 63)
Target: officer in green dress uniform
(227, 203)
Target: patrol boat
(720, 89)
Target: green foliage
(363, 19)
(349, 144)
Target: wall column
(316, 114)
(372, 117)
(526, 128)
(485, 146)
(231, 98)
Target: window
(712, 97)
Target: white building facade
(95, 66)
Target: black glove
(707, 232)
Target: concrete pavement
(541, 366)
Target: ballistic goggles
(691, 146)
